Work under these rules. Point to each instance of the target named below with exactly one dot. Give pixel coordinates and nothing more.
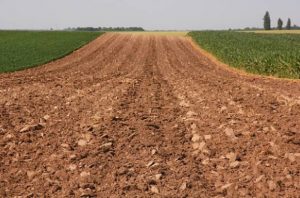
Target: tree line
(106, 29)
(267, 23)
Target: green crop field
(24, 49)
(269, 54)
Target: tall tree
(289, 24)
(267, 21)
(280, 24)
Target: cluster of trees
(267, 23)
(106, 29)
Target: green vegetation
(268, 54)
(24, 49)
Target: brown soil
(147, 116)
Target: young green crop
(268, 54)
(24, 49)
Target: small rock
(72, 167)
(195, 138)
(205, 162)
(116, 118)
(288, 176)
(241, 112)
(153, 151)
(9, 136)
(87, 193)
(193, 126)
(259, 179)
(106, 146)
(231, 103)
(221, 126)
(31, 174)
(226, 186)
(183, 186)
(73, 156)
(154, 189)
(266, 129)
(31, 128)
(150, 164)
(272, 157)
(246, 133)
(25, 129)
(272, 144)
(66, 146)
(202, 145)
(234, 164)
(272, 185)
(231, 156)
(267, 165)
(96, 117)
(184, 104)
(290, 156)
(195, 152)
(46, 117)
(158, 176)
(84, 174)
(82, 142)
(87, 137)
(195, 145)
(155, 164)
(122, 171)
(207, 137)
(273, 128)
(223, 108)
(229, 132)
(190, 114)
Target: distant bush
(108, 29)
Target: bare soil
(147, 116)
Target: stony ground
(147, 116)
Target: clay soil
(147, 116)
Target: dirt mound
(147, 116)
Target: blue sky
(150, 14)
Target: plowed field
(147, 116)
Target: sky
(149, 14)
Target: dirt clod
(82, 142)
(154, 189)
